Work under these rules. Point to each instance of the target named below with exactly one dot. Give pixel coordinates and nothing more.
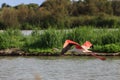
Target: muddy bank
(18, 52)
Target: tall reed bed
(104, 40)
(11, 39)
(52, 38)
(49, 39)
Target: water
(59, 68)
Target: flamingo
(79, 49)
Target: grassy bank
(104, 40)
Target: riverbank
(18, 52)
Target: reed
(44, 42)
(104, 40)
(11, 39)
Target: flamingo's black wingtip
(65, 49)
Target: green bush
(111, 48)
(104, 40)
(11, 39)
(48, 39)
(97, 48)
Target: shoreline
(18, 52)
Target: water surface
(59, 68)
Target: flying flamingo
(79, 49)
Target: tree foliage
(60, 13)
(9, 17)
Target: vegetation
(10, 39)
(61, 14)
(95, 20)
(104, 40)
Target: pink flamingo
(79, 49)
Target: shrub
(111, 48)
(48, 39)
(11, 39)
(97, 48)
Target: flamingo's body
(84, 48)
(79, 49)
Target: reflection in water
(59, 68)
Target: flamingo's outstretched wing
(67, 45)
